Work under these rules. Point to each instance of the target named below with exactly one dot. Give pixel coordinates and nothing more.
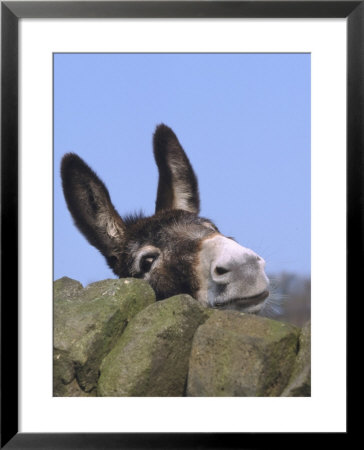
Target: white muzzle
(231, 276)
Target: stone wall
(112, 338)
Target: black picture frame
(11, 12)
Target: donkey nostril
(220, 270)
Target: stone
(87, 323)
(299, 384)
(151, 357)
(65, 287)
(63, 373)
(237, 354)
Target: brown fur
(172, 236)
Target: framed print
(257, 103)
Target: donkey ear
(89, 203)
(177, 186)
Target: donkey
(175, 250)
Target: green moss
(87, 326)
(168, 348)
(65, 287)
(299, 384)
(236, 354)
(151, 356)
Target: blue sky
(243, 120)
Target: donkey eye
(147, 262)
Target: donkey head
(175, 250)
